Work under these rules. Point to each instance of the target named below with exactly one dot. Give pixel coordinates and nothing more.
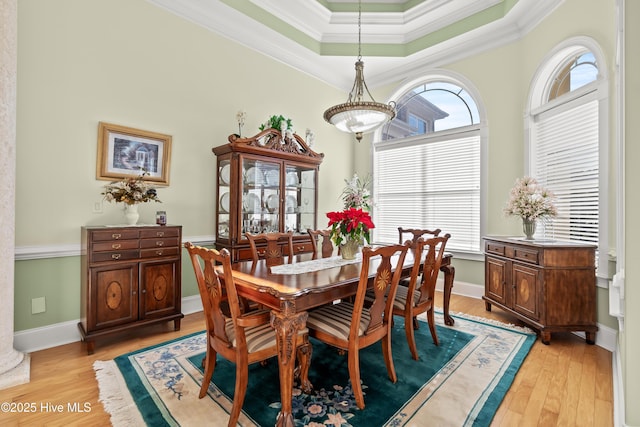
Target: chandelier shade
(357, 115)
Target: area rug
(461, 382)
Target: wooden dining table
(290, 296)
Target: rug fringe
(117, 402)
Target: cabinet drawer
(114, 256)
(115, 235)
(115, 245)
(526, 255)
(156, 252)
(159, 242)
(159, 232)
(494, 248)
(301, 248)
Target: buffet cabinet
(266, 183)
(130, 278)
(550, 285)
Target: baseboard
(49, 336)
(45, 337)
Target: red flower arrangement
(350, 224)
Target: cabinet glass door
(224, 198)
(261, 199)
(300, 198)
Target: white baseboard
(45, 337)
(49, 336)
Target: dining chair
(415, 233)
(326, 248)
(418, 296)
(273, 252)
(350, 326)
(241, 338)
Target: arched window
(567, 153)
(426, 163)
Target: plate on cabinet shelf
(292, 179)
(254, 176)
(292, 204)
(272, 203)
(251, 203)
(224, 202)
(225, 174)
(273, 178)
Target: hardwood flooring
(567, 383)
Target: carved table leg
(286, 323)
(449, 274)
(545, 337)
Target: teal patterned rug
(459, 383)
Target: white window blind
(566, 161)
(429, 182)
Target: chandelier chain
(359, 30)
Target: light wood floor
(567, 383)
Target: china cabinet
(130, 278)
(265, 183)
(549, 284)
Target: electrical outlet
(38, 305)
(97, 207)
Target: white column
(14, 365)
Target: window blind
(429, 182)
(565, 160)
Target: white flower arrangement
(530, 201)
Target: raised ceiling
(399, 37)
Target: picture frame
(123, 152)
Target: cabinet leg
(90, 346)
(545, 336)
(176, 324)
(590, 337)
(487, 306)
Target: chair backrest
(326, 249)
(273, 252)
(430, 266)
(385, 284)
(215, 287)
(415, 233)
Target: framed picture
(124, 152)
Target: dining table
(290, 290)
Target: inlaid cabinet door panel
(525, 295)
(496, 279)
(158, 295)
(113, 295)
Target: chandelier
(357, 115)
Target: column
(14, 365)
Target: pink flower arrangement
(530, 201)
(350, 224)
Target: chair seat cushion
(401, 298)
(258, 337)
(335, 319)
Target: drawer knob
(159, 243)
(116, 246)
(159, 252)
(116, 236)
(115, 256)
(160, 234)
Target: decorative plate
(225, 174)
(292, 179)
(273, 202)
(251, 203)
(224, 202)
(273, 177)
(292, 204)
(254, 176)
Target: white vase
(131, 214)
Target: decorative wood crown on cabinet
(265, 183)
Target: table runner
(314, 265)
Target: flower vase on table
(349, 249)
(529, 228)
(131, 214)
